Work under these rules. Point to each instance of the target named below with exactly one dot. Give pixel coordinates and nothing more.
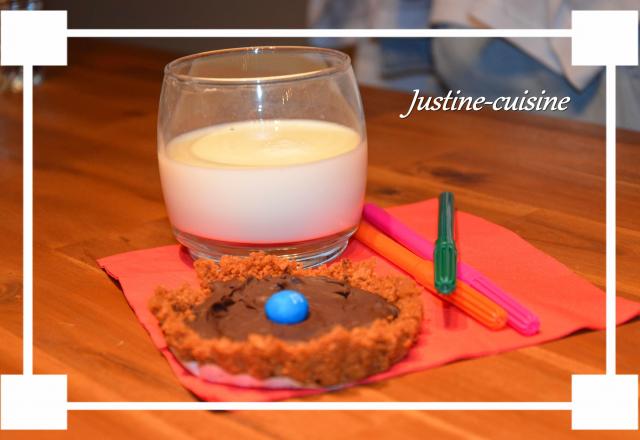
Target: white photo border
(610, 72)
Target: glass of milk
(263, 149)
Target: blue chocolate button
(287, 307)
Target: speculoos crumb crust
(339, 356)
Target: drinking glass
(263, 149)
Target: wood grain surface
(97, 193)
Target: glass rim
(343, 64)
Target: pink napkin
(564, 302)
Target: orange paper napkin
(564, 302)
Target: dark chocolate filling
(236, 308)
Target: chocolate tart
(359, 323)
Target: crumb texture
(337, 357)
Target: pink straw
(519, 317)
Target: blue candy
(287, 307)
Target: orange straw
(464, 297)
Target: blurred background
(487, 67)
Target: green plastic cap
(445, 254)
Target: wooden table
(97, 193)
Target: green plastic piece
(445, 254)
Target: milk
(265, 182)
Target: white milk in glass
(265, 182)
